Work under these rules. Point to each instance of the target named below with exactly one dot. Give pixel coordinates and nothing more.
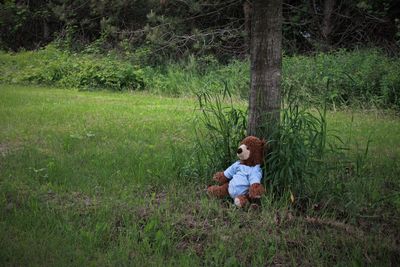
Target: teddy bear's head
(251, 151)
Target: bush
(365, 78)
(51, 66)
(362, 78)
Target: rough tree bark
(327, 25)
(266, 65)
(46, 30)
(247, 9)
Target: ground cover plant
(101, 178)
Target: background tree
(174, 29)
(266, 61)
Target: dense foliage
(54, 67)
(176, 28)
(365, 78)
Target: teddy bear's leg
(241, 201)
(218, 191)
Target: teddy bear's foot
(218, 191)
(241, 201)
(256, 191)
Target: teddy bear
(242, 180)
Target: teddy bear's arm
(256, 190)
(220, 178)
(231, 170)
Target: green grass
(96, 179)
(359, 78)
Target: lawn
(95, 178)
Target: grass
(359, 78)
(96, 179)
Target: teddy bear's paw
(220, 178)
(241, 201)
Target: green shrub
(364, 78)
(51, 66)
(390, 86)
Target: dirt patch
(8, 147)
(194, 233)
(143, 214)
(341, 226)
(78, 201)
(159, 198)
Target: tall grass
(365, 78)
(198, 74)
(222, 126)
(305, 160)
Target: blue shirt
(241, 177)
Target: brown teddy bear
(242, 179)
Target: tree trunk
(326, 28)
(266, 65)
(247, 9)
(46, 30)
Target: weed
(222, 127)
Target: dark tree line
(175, 28)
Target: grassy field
(95, 178)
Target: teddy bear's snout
(243, 152)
